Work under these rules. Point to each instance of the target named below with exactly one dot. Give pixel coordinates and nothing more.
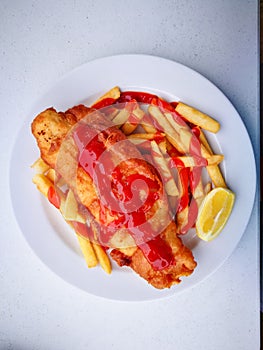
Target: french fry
(87, 251)
(40, 166)
(51, 174)
(147, 125)
(198, 118)
(121, 118)
(113, 93)
(181, 219)
(136, 115)
(198, 188)
(216, 176)
(208, 187)
(189, 161)
(160, 161)
(204, 142)
(42, 183)
(152, 136)
(213, 170)
(186, 136)
(142, 141)
(102, 257)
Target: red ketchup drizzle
(195, 151)
(104, 103)
(53, 197)
(162, 104)
(194, 177)
(192, 215)
(145, 97)
(125, 195)
(158, 253)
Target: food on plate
(126, 174)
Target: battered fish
(50, 129)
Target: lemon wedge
(214, 213)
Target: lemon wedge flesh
(214, 213)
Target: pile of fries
(170, 135)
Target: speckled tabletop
(41, 41)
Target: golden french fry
(215, 159)
(208, 187)
(43, 183)
(182, 218)
(40, 166)
(189, 161)
(51, 174)
(198, 192)
(160, 161)
(147, 125)
(148, 128)
(137, 115)
(152, 136)
(87, 251)
(198, 118)
(128, 128)
(113, 93)
(216, 176)
(142, 141)
(170, 148)
(204, 142)
(213, 170)
(102, 257)
(162, 146)
(121, 118)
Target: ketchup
(192, 215)
(53, 197)
(143, 97)
(147, 98)
(108, 101)
(158, 253)
(184, 176)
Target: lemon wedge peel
(214, 213)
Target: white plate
(43, 227)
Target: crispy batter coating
(185, 263)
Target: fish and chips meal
(132, 174)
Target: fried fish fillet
(165, 278)
(51, 128)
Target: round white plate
(45, 230)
